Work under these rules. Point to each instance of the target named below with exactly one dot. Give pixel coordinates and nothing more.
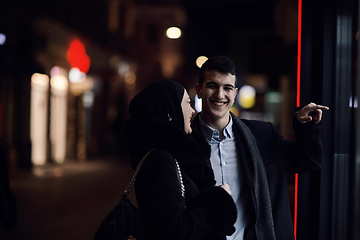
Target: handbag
(124, 222)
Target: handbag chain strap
(180, 179)
(132, 182)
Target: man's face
(218, 93)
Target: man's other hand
(311, 112)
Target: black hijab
(162, 100)
(150, 128)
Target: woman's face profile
(188, 111)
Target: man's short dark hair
(221, 64)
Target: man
(251, 157)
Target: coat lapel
(264, 226)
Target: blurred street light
(200, 61)
(38, 117)
(58, 115)
(76, 76)
(247, 95)
(173, 32)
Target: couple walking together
(215, 176)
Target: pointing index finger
(316, 106)
(322, 107)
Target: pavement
(67, 201)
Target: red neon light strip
(296, 202)
(299, 54)
(298, 104)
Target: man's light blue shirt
(226, 165)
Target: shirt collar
(210, 133)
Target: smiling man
(218, 92)
(251, 157)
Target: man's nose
(219, 93)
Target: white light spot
(76, 76)
(173, 32)
(198, 104)
(2, 39)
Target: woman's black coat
(206, 211)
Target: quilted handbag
(124, 222)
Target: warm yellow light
(247, 96)
(130, 78)
(39, 117)
(40, 79)
(58, 113)
(58, 123)
(59, 82)
(81, 87)
(173, 32)
(235, 111)
(200, 61)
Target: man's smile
(219, 103)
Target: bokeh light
(76, 76)
(2, 39)
(130, 78)
(198, 103)
(79, 88)
(88, 98)
(123, 68)
(39, 117)
(77, 56)
(40, 79)
(59, 82)
(173, 32)
(54, 71)
(247, 95)
(235, 111)
(200, 61)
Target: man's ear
(236, 92)
(198, 88)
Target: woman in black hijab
(175, 204)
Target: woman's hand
(225, 187)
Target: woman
(175, 205)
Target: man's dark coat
(280, 157)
